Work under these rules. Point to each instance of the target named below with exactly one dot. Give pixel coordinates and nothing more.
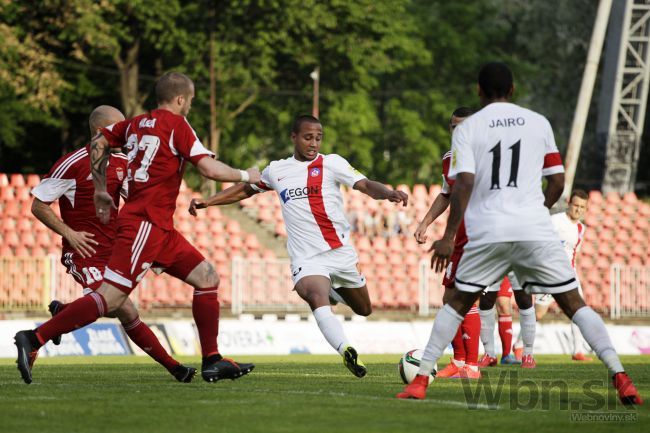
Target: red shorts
(450, 272)
(87, 272)
(141, 245)
(505, 289)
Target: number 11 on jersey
(496, 165)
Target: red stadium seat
(33, 180)
(17, 180)
(4, 180)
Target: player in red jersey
(158, 144)
(464, 363)
(87, 243)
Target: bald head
(103, 116)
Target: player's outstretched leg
(593, 329)
(444, 328)
(79, 313)
(54, 308)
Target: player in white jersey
(571, 232)
(323, 263)
(499, 156)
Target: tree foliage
(391, 71)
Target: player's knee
(210, 277)
(127, 312)
(524, 300)
(113, 297)
(487, 301)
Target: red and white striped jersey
(157, 143)
(508, 149)
(571, 234)
(311, 201)
(70, 182)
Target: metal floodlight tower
(625, 93)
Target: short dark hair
(580, 194)
(495, 80)
(461, 112)
(299, 120)
(171, 85)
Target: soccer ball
(409, 365)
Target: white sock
(578, 341)
(528, 323)
(331, 328)
(488, 321)
(458, 363)
(519, 342)
(594, 331)
(444, 329)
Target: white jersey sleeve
(265, 183)
(462, 154)
(552, 159)
(343, 172)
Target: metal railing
(630, 291)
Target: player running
(87, 243)
(158, 143)
(501, 293)
(464, 363)
(571, 232)
(323, 263)
(499, 156)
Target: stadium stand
(618, 232)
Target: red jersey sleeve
(187, 144)
(116, 134)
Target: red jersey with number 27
(447, 185)
(157, 144)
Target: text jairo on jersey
(507, 122)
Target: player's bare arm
(82, 242)
(230, 195)
(217, 170)
(443, 248)
(99, 155)
(378, 191)
(440, 204)
(554, 189)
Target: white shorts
(547, 299)
(540, 266)
(339, 265)
(514, 283)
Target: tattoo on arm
(99, 154)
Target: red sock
(471, 335)
(458, 346)
(77, 314)
(505, 333)
(142, 335)
(205, 309)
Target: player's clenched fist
(197, 204)
(398, 197)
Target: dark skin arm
(554, 189)
(234, 194)
(443, 248)
(378, 191)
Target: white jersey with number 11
(509, 149)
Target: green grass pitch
(308, 393)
